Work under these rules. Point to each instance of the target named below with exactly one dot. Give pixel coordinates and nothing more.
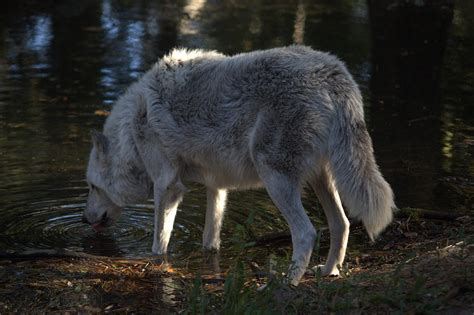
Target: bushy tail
(364, 192)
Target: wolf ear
(100, 141)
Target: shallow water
(61, 63)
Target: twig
(427, 214)
(273, 238)
(277, 237)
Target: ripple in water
(52, 225)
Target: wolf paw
(211, 246)
(325, 271)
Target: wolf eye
(93, 187)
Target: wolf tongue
(98, 227)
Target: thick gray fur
(278, 118)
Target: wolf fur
(279, 118)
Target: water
(60, 63)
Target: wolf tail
(364, 192)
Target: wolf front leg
(168, 190)
(216, 200)
(167, 200)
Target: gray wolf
(280, 119)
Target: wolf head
(116, 176)
(100, 210)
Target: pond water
(61, 62)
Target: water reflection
(190, 24)
(300, 19)
(405, 87)
(59, 62)
(39, 36)
(109, 21)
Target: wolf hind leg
(285, 193)
(216, 200)
(324, 187)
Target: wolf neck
(130, 182)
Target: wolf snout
(97, 225)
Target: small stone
(464, 219)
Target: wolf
(282, 119)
